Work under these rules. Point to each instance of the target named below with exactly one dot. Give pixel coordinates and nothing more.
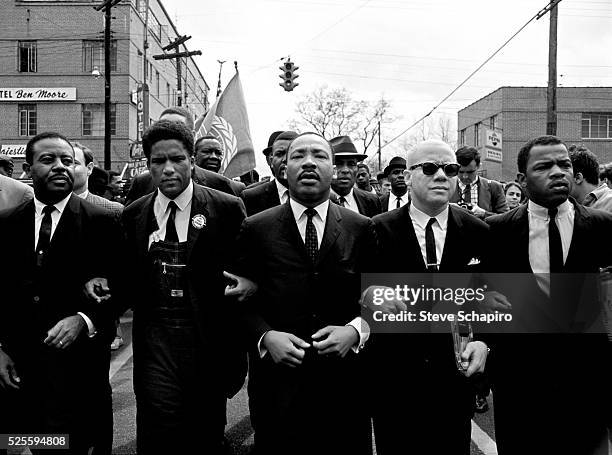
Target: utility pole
(221, 62)
(177, 55)
(107, 5)
(379, 148)
(551, 92)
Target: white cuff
(262, 350)
(91, 329)
(363, 329)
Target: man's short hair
(466, 154)
(179, 110)
(305, 134)
(208, 136)
(585, 162)
(86, 152)
(523, 155)
(29, 151)
(364, 166)
(606, 172)
(166, 130)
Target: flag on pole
(228, 121)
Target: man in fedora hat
(346, 158)
(398, 197)
(275, 192)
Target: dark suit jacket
(424, 363)
(367, 203)
(491, 196)
(209, 251)
(237, 187)
(563, 421)
(300, 298)
(62, 389)
(143, 184)
(260, 197)
(384, 201)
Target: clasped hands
(289, 349)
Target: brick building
(502, 121)
(48, 52)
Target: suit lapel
(452, 242)
(521, 233)
(582, 226)
(199, 204)
(360, 203)
(272, 194)
(68, 228)
(331, 232)
(25, 231)
(412, 248)
(484, 195)
(290, 232)
(145, 224)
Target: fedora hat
(271, 140)
(343, 147)
(396, 162)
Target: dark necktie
(342, 201)
(554, 243)
(467, 194)
(397, 205)
(171, 235)
(430, 247)
(312, 244)
(44, 234)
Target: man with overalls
(187, 349)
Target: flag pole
(219, 82)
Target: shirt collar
(83, 195)
(182, 200)
(600, 190)
(298, 209)
(393, 197)
(542, 212)
(60, 206)
(475, 182)
(280, 187)
(422, 218)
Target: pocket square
(474, 261)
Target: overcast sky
(412, 51)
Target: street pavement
(238, 430)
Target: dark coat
(62, 391)
(432, 389)
(367, 203)
(261, 197)
(209, 250)
(298, 297)
(143, 184)
(560, 367)
(491, 196)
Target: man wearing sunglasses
(481, 196)
(428, 235)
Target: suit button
(36, 299)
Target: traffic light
(288, 75)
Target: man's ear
(578, 178)
(521, 179)
(27, 168)
(89, 167)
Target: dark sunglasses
(430, 168)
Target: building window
(27, 119)
(477, 135)
(93, 119)
(157, 83)
(596, 126)
(493, 122)
(27, 57)
(462, 137)
(93, 55)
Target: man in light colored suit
(13, 193)
(83, 165)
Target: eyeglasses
(430, 168)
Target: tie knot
(431, 222)
(48, 209)
(310, 213)
(172, 206)
(342, 199)
(552, 213)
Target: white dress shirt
(419, 222)
(473, 190)
(283, 192)
(299, 213)
(55, 218)
(181, 218)
(83, 195)
(350, 203)
(393, 201)
(539, 254)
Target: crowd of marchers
(226, 280)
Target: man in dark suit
(551, 371)
(303, 324)
(54, 358)
(480, 196)
(209, 155)
(274, 192)
(143, 184)
(350, 197)
(179, 239)
(429, 407)
(399, 195)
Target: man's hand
(335, 340)
(285, 347)
(476, 354)
(8, 374)
(241, 287)
(494, 302)
(97, 289)
(478, 212)
(65, 332)
(392, 306)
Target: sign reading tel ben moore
(38, 94)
